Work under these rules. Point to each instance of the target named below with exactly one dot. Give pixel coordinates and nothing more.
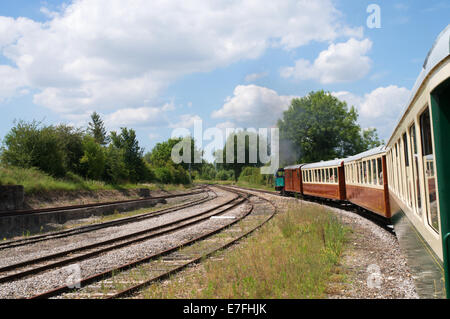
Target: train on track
(407, 181)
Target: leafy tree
(72, 146)
(132, 153)
(115, 169)
(164, 174)
(161, 154)
(224, 175)
(321, 127)
(207, 171)
(371, 139)
(29, 145)
(93, 159)
(96, 129)
(235, 164)
(253, 175)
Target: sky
(155, 66)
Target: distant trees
(96, 128)
(53, 149)
(321, 127)
(132, 154)
(246, 154)
(160, 158)
(63, 150)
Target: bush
(224, 175)
(252, 175)
(93, 160)
(180, 176)
(53, 149)
(28, 146)
(163, 175)
(115, 169)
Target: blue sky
(157, 66)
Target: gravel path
(372, 264)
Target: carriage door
(440, 109)
(429, 170)
(415, 169)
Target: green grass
(35, 181)
(296, 255)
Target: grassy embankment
(295, 255)
(35, 181)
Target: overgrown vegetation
(47, 157)
(294, 256)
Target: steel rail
(72, 207)
(378, 220)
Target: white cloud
(225, 125)
(144, 116)
(100, 54)
(341, 62)
(11, 82)
(253, 106)
(380, 108)
(255, 76)
(185, 121)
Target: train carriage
(408, 180)
(366, 182)
(292, 179)
(324, 179)
(418, 160)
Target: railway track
(377, 219)
(131, 277)
(72, 207)
(116, 222)
(34, 266)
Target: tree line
(61, 150)
(315, 127)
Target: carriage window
(374, 172)
(405, 149)
(418, 200)
(364, 172)
(407, 170)
(429, 171)
(359, 168)
(380, 171)
(369, 172)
